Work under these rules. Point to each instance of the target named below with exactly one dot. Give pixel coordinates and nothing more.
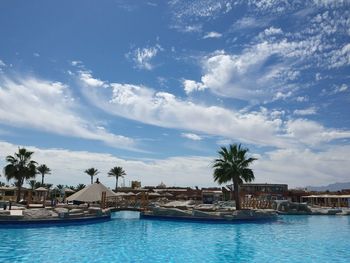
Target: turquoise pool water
(129, 239)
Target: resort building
(211, 196)
(263, 191)
(8, 193)
(327, 200)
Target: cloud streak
(164, 109)
(48, 106)
(143, 57)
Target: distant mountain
(330, 187)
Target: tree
(32, 184)
(60, 187)
(71, 187)
(48, 186)
(233, 165)
(1, 183)
(116, 172)
(20, 167)
(92, 172)
(79, 187)
(43, 169)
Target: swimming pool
(126, 238)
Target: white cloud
(302, 99)
(246, 76)
(272, 31)
(340, 57)
(331, 3)
(87, 78)
(334, 90)
(143, 57)
(191, 136)
(341, 88)
(249, 22)
(192, 28)
(166, 110)
(301, 167)
(76, 63)
(312, 133)
(191, 86)
(183, 9)
(68, 167)
(2, 63)
(307, 111)
(35, 54)
(212, 34)
(295, 167)
(48, 106)
(282, 96)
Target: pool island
(53, 216)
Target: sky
(157, 87)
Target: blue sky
(157, 87)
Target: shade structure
(41, 189)
(68, 190)
(91, 193)
(154, 194)
(121, 194)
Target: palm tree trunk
(42, 179)
(116, 183)
(237, 197)
(92, 179)
(19, 186)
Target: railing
(132, 202)
(256, 203)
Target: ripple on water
(127, 239)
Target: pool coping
(54, 221)
(206, 219)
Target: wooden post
(29, 198)
(103, 200)
(44, 198)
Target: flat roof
(326, 196)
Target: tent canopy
(41, 189)
(91, 193)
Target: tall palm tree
(92, 172)
(116, 172)
(232, 165)
(20, 167)
(43, 169)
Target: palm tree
(79, 187)
(71, 187)
(48, 186)
(92, 172)
(116, 172)
(43, 169)
(32, 184)
(20, 167)
(1, 183)
(232, 165)
(59, 187)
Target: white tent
(91, 193)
